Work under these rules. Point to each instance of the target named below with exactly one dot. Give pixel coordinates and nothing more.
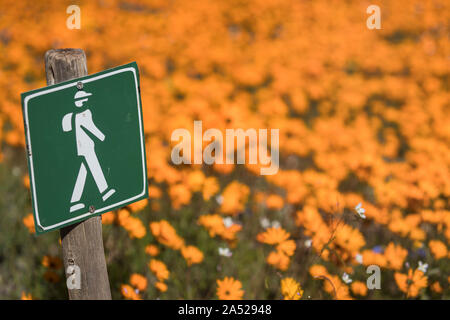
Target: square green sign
(85, 145)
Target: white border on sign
(30, 156)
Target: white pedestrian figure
(82, 122)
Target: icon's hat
(82, 94)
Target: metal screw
(91, 209)
(80, 85)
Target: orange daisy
(229, 289)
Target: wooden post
(82, 243)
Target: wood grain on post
(82, 243)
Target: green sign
(85, 145)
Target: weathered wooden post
(82, 243)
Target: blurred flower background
(364, 122)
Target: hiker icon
(83, 123)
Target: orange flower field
(364, 146)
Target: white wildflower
(359, 258)
(423, 266)
(276, 224)
(225, 252)
(265, 223)
(346, 278)
(228, 222)
(308, 243)
(360, 210)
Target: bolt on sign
(85, 145)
